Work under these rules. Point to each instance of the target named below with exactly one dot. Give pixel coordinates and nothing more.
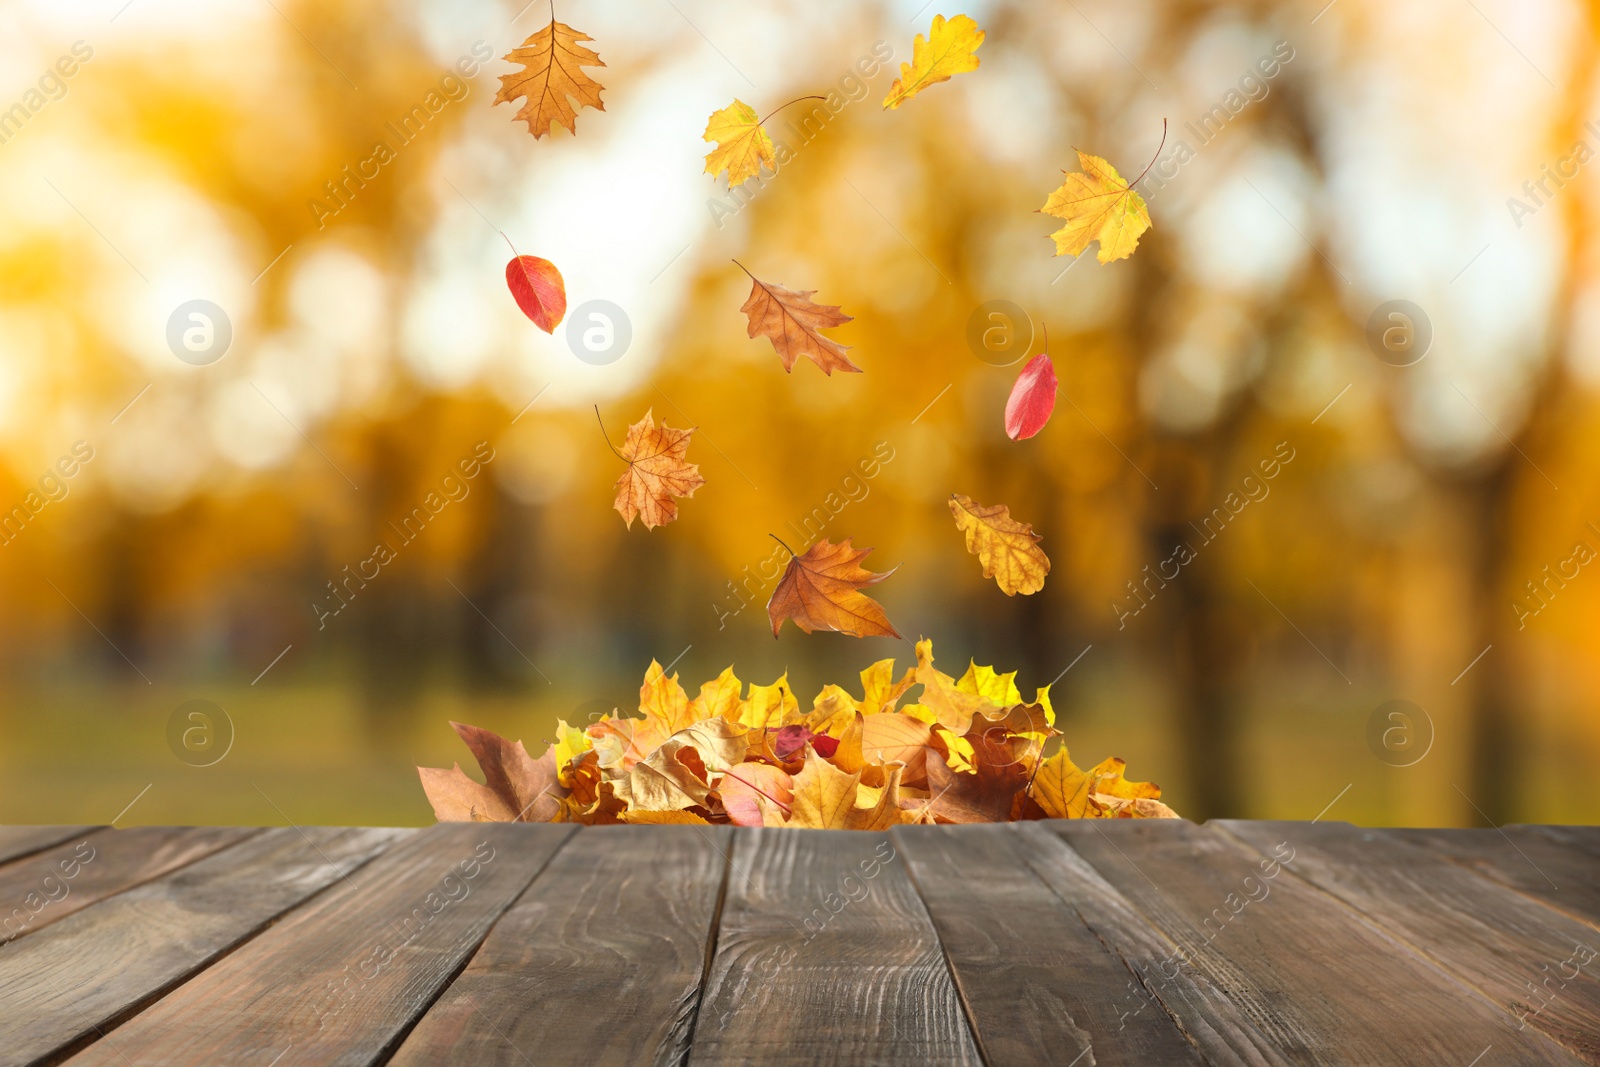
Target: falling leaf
(657, 472)
(1008, 549)
(552, 58)
(821, 590)
(1098, 206)
(743, 147)
(789, 319)
(947, 50)
(1032, 399)
(538, 289)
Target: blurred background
(1423, 537)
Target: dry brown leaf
(791, 321)
(821, 590)
(524, 789)
(658, 470)
(552, 59)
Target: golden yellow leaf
(663, 818)
(821, 590)
(833, 711)
(1008, 549)
(896, 737)
(1061, 789)
(657, 472)
(947, 50)
(570, 743)
(552, 59)
(825, 799)
(743, 147)
(662, 699)
(1098, 206)
(718, 698)
(880, 692)
(951, 705)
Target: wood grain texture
(1548, 863)
(1040, 986)
(1504, 944)
(340, 980)
(71, 980)
(18, 841)
(599, 962)
(1322, 984)
(48, 886)
(825, 954)
(1204, 1009)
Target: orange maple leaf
(821, 590)
(657, 472)
(553, 59)
(791, 321)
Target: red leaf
(539, 290)
(1032, 399)
(789, 740)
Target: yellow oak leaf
(1008, 549)
(657, 472)
(743, 147)
(1097, 206)
(552, 59)
(947, 50)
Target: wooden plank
(1546, 863)
(71, 981)
(48, 886)
(1039, 985)
(825, 954)
(1204, 1009)
(17, 841)
(1504, 944)
(599, 962)
(342, 979)
(1323, 985)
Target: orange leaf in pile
(657, 472)
(553, 60)
(791, 321)
(821, 590)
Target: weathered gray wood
(1318, 981)
(1547, 863)
(1224, 1033)
(68, 982)
(48, 886)
(1500, 942)
(599, 962)
(1039, 984)
(341, 980)
(18, 841)
(825, 954)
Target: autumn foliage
(964, 750)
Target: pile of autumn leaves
(968, 750)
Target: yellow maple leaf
(743, 147)
(768, 705)
(552, 61)
(825, 799)
(570, 743)
(1008, 549)
(661, 698)
(718, 698)
(947, 50)
(1098, 206)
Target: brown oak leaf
(657, 472)
(791, 321)
(552, 59)
(821, 590)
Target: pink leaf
(1032, 399)
(539, 290)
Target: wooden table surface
(1075, 942)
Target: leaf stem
(607, 436)
(780, 107)
(746, 269)
(513, 247)
(1153, 158)
(778, 539)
